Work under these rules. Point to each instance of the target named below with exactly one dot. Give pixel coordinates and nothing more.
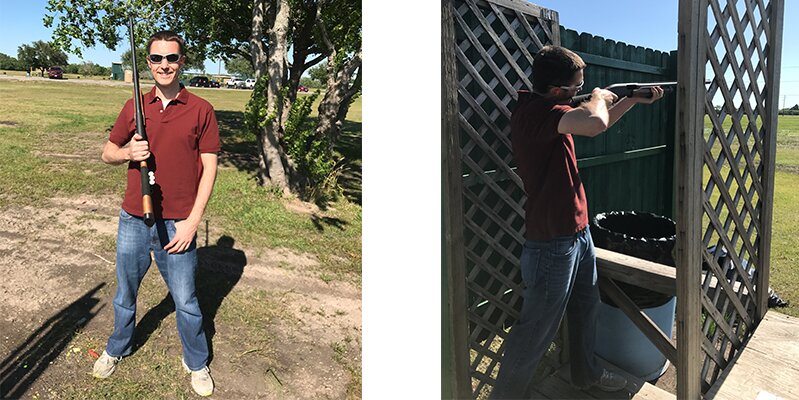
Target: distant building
(117, 74)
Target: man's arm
(617, 110)
(596, 116)
(136, 150)
(187, 228)
(591, 118)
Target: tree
(90, 68)
(240, 66)
(319, 73)
(795, 107)
(10, 63)
(259, 30)
(40, 55)
(141, 61)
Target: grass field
(71, 119)
(785, 228)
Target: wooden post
(772, 73)
(691, 92)
(455, 349)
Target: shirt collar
(182, 97)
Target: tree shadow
(239, 147)
(350, 146)
(219, 268)
(30, 359)
(320, 222)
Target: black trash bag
(643, 235)
(774, 300)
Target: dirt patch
(58, 285)
(302, 207)
(7, 123)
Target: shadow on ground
(30, 359)
(219, 269)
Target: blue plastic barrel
(618, 340)
(621, 343)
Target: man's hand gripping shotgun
(147, 177)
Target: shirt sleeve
(124, 126)
(550, 126)
(209, 132)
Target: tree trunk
(268, 62)
(257, 47)
(344, 108)
(274, 158)
(338, 89)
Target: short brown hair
(555, 66)
(169, 36)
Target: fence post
(690, 127)
(769, 146)
(455, 349)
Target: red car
(302, 88)
(55, 73)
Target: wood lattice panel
(495, 42)
(735, 176)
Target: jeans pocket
(124, 215)
(530, 265)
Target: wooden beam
(646, 274)
(455, 330)
(645, 324)
(772, 75)
(691, 92)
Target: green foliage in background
(312, 156)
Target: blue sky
(21, 23)
(653, 24)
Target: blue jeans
(559, 277)
(134, 242)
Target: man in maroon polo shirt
(558, 263)
(181, 151)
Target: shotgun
(147, 177)
(632, 89)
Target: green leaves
(40, 55)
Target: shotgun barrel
(147, 178)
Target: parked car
(249, 83)
(235, 83)
(213, 83)
(302, 88)
(200, 81)
(55, 73)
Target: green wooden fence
(629, 167)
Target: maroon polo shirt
(546, 161)
(177, 135)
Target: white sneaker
(201, 380)
(105, 366)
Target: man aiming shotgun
(558, 263)
(180, 150)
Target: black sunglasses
(156, 58)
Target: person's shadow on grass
(219, 269)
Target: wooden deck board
(766, 365)
(558, 386)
